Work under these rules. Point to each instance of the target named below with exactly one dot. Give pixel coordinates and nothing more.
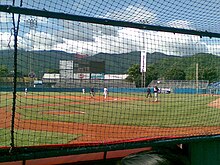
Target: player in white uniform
(156, 91)
(105, 92)
(25, 91)
(83, 90)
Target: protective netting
(72, 82)
(189, 14)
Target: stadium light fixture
(32, 25)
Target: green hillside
(120, 63)
(48, 61)
(208, 66)
(45, 61)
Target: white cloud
(214, 49)
(5, 17)
(41, 40)
(89, 32)
(81, 31)
(6, 41)
(39, 20)
(132, 14)
(182, 24)
(102, 43)
(87, 38)
(129, 39)
(175, 44)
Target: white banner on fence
(143, 67)
(115, 76)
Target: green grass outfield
(172, 110)
(30, 137)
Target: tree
(175, 74)
(11, 74)
(134, 75)
(205, 73)
(191, 72)
(208, 73)
(3, 71)
(52, 70)
(151, 74)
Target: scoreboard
(69, 68)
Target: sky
(86, 38)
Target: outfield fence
(54, 56)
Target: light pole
(143, 67)
(197, 78)
(143, 59)
(32, 24)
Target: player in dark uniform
(92, 92)
(149, 92)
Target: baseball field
(72, 117)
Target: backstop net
(82, 75)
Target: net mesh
(71, 82)
(202, 15)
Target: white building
(51, 77)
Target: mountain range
(42, 62)
(48, 61)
